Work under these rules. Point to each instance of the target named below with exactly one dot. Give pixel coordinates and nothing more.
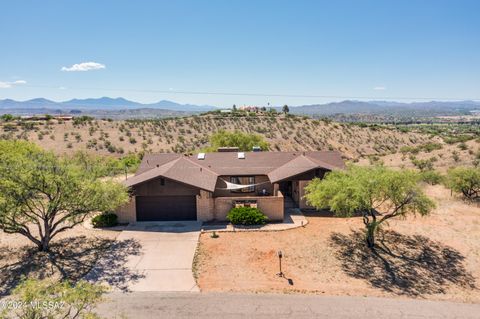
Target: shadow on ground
(70, 258)
(405, 265)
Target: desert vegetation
(42, 195)
(282, 132)
(376, 193)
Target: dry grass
(435, 257)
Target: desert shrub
(246, 216)
(431, 147)
(431, 177)
(7, 117)
(465, 180)
(462, 146)
(455, 156)
(106, 219)
(82, 120)
(244, 141)
(424, 164)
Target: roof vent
(241, 155)
(201, 156)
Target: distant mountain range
(348, 110)
(104, 103)
(387, 108)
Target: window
(243, 180)
(162, 181)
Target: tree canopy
(49, 299)
(465, 180)
(377, 193)
(244, 141)
(42, 195)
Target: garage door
(164, 208)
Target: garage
(166, 208)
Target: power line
(181, 92)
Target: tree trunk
(45, 239)
(371, 228)
(44, 245)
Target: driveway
(162, 262)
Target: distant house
(46, 117)
(249, 108)
(206, 186)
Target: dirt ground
(434, 257)
(73, 253)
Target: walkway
(293, 219)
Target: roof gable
(296, 166)
(203, 173)
(182, 170)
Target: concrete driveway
(162, 261)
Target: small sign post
(280, 256)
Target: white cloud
(380, 88)
(84, 66)
(8, 85)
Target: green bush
(104, 220)
(431, 177)
(246, 216)
(465, 180)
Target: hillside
(188, 134)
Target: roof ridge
(201, 166)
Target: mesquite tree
(377, 193)
(42, 195)
(465, 180)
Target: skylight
(241, 155)
(201, 156)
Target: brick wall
(205, 206)
(127, 213)
(271, 206)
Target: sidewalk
(293, 219)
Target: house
(206, 186)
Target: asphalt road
(223, 305)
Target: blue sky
(378, 49)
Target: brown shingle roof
(182, 170)
(298, 165)
(204, 173)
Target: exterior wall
(127, 213)
(205, 206)
(271, 206)
(171, 188)
(227, 193)
(303, 202)
(295, 192)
